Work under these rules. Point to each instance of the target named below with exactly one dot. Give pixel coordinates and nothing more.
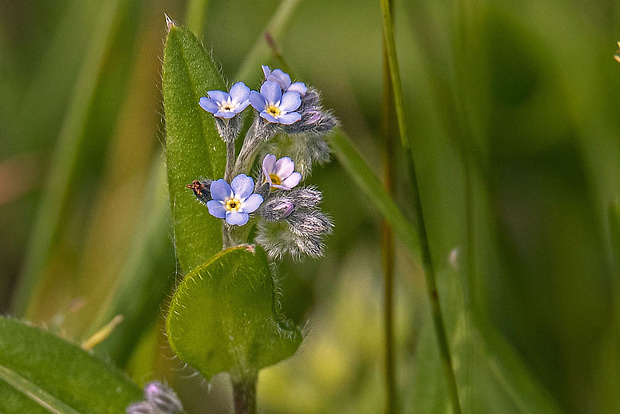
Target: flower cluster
(289, 121)
(158, 399)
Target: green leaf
(224, 316)
(369, 183)
(40, 370)
(194, 149)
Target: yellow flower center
(233, 204)
(275, 179)
(273, 111)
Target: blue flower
(234, 202)
(284, 80)
(226, 105)
(281, 173)
(274, 106)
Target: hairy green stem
(230, 160)
(431, 285)
(244, 394)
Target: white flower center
(227, 106)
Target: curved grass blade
(370, 184)
(261, 51)
(194, 148)
(143, 280)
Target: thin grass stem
(431, 285)
(387, 241)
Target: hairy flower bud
(160, 399)
(276, 209)
(314, 120)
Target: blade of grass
(440, 331)
(195, 16)
(261, 51)
(143, 281)
(387, 242)
(370, 184)
(64, 159)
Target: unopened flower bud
(159, 399)
(141, 408)
(162, 397)
(277, 208)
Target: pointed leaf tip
(169, 22)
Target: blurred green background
(513, 114)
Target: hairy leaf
(224, 316)
(193, 147)
(40, 372)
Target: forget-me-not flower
(234, 202)
(281, 173)
(274, 106)
(226, 105)
(284, 80)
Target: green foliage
(39, 369)
(193, 147)
(224, 316)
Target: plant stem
(431, 285)
(433, 295)
(387, 240)
(230, 160)
(244, 394)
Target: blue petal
(266, 70)
(271, 91)
(269, 117)
(290, 101)
(220, 190)
(242, 186)
(216, 208)
(284, 167)
(289, 118)
(225, 114)
(269, 164)
(208, 105)
(292, 180)
(218, 96)
(257, 100)
(236, 218)
(242, 106)
(282, 78)
(252, 203)
(239, 92)
(298, 87)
